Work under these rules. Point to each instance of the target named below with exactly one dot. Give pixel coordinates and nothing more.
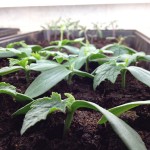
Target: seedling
(65, 44)
(51, 74)
(112, 69)
(39, 110)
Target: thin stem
(27, 73)
(61, 34)
(87, 65)
(69, 81)
(123, 76)
(68, 122)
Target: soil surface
(85, 133)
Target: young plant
(65, 44)
(98, 27)
(39, 110)
(112, 69)
(51, 74)
(19, 49)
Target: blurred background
(31, 15)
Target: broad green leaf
(140, 74)
(82, 73)
(78, 62)
(25, 52)
(4, 53)
(71, 49)
(119, 49)
(7, 88)
(8, 70)
(41, 108)
(128, 135)
(35, 48)
(118, 110)
(43, 65)
(46, 80)
(98, 56)
(144, 58)
(106, 71)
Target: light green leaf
(43, 65)
(71, 49)
(78, 62)
(118, 110)
(119, 49)
(7, 88)
(22, 97)
(82, 73)
(106, 71)
(46, 80)
(41, 108)
(140, 74)
(4, 53)
(8, 70)
(128, 135)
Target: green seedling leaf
(46, 80)
(8, 70)
(4, 53)
(71, 49)
(43, 65)
(118, 110)
(128, 135)
(7, 88)
(13, 61)
(119, 49)
(140, 74)
(20, 43)
(35, 48)
(22, 98)
(106, 71)
(83, 74)
(41, 108)
(78, 62)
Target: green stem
(87, 65)
(61, 34)
(27, 73)
(69, 81)
(68, 122)
(123, 76)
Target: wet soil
(85, 133)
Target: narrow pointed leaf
(7, 88)
(140, 74)
(8, 70)
(43, 66)
(46, 80)
(118, 110)
(83, 74)
(128, 135)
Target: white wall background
(129, 16)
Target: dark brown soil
(84, 134)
